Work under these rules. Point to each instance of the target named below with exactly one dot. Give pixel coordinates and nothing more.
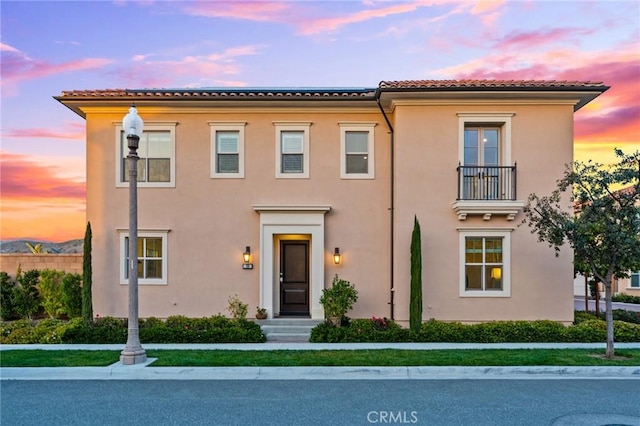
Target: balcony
(487, 191)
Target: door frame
(302, 220)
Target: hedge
(543, 331)
(176, 329)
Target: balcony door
(481, 163)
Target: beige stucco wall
(426, 178)
(210, 221)
(9, 262)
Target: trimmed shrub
(72, 295)
(177, 329)
(7, 290)
(26, 297)
(338, 299)
(51, 291)
(439, 331)
(359, 330)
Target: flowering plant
(380, 323)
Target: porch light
(496, 273)
(246, 256)
(337, 257)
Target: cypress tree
(415, 303)
(87, 304)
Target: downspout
(391, 208)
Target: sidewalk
(146, 371)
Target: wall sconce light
(496, 273)
(337, 257)
(246, 258)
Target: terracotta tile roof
(355, 93)
(225, 93)
(490, 84)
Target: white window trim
(479, 118)
(292, 127)
(153, 126)
(144, 234)
(505, 234)
(357, 127)
(222, 126)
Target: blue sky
(49, 46)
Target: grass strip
(63, 358)
(299, 358)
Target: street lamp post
(133, 352)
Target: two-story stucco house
(295, 174)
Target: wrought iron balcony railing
(487, 182)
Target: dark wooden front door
(294, 277)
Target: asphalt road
(555, 402)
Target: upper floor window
(227, 149)
(485, 263)
(292, 150)
(357, 158)
(485, 171)
(156, 152)
(484, 138)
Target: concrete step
(288, 329)
(290, 321)
(288, 337)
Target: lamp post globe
(133, 353)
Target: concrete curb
(142, 372)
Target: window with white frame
(484, 150)
(227, 149)
(152, 257)
(634, 281)
(156, 152)
(357, 151)
(485, 263)
(292, 150)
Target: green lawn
(377, 357)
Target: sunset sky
(51, 46)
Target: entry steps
(288, 329)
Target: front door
(294, 277)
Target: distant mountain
(20, 246)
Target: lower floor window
(485, 263)
(152, 257)
(635, 280)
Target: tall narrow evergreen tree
(87, 304)
(415, 305)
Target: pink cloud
(73, 132)
(250, 10)
(17, 66)
(25, 180)
(613, 116)
(531, 39)
(305, 15)
(149, 72)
